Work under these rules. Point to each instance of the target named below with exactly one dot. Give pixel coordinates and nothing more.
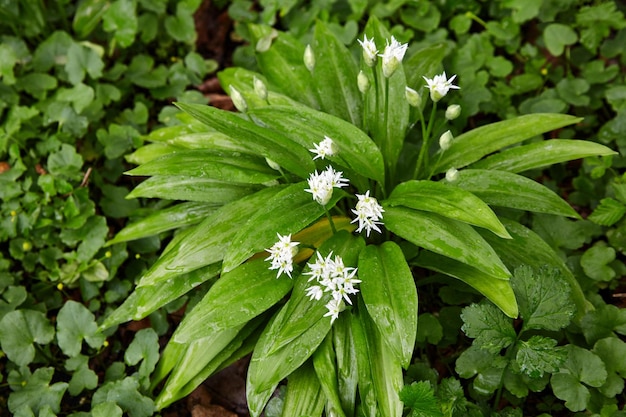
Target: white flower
(369, 51)
(325, 148)
(439, 86)
(392, 57)
(281, 255)
(368, 213)
(321, 185)
(315, 292)
(334, 308)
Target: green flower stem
(422, 159)
(476, 19)
(330, 221)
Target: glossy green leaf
(207, 242)
(527, 248)
(449, 201)
(145, 300)
(335, 77)
(477, 143)
(270, 144)
(306, 126)
(297, 209)
(76, 323)
(20, 330)
(347, 367)
(498, 291)
(389, 293)
(185, 187)
(447, 237)
(304, 394)
(236, 298)
(542, 154)
(283, 67)
(231, 167)
(325, 364)
(179, 215)
(504, 189)
(149, 152)
(88, 15)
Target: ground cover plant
(338, 319)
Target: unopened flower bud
(272, 164)
(453, 111)
(260, 88)
(413, 97)
(238, 100)
(363, 82)
(265, 42)
(452, 175)
(309, 58)
(445, 140)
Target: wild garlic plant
(336, 182)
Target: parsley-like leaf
(420, 398)
(543, 298)
(492, 330)
(451, 397)
(539, 355)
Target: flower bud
(259, 88)
(238, 100)
(453, 111)
(452, 175)
(413, 97)
(445, 140)
(363, 82)
(265, 42)
(272, 164)
(309, 58)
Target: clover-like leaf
(33, 391)
(76, 323)
(543, 297)
(144, 348)
(492, 330)
(19, 330)
(595, 262)
(82, 376)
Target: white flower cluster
(281, 255)
(321, 185)
(331, 275)
(323, 149)
(368, 213)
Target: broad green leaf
(221, 166)
(34, 391)
(347, 367)
(7, 62)
(612, 351)
(539, 355)
(282, 65)
(527, 248)
(107, 409)
(487, 367)
(445, 236)
(125, 393)
(608, 212)
(429, 329)
(19, 330)
(65, 163)
(604, 322)
(297, 209)
(121, 19)
(449, 201)
(82, 377)
(236, 298)
(543, 297)
(595, 262)
(335, 77)
(581, 367)
(498, 291)
(419, 397)
(325, 365)
(304, 394)
(145, 349)
(504, 189)
(381, 376)
(76, 323)
(206, 243)
(145, 300)
(88, 16)
(491, 329)
(477, 143)
(308, 127)
(541, 154)
(186, 187)
(557, 36)
(83, 60)
(149, 152)
(179, 215)
(268, 143)
(389, 293)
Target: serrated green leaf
(76, 323)
(539, 355)
(595, 262)
(451, 396)
(477, 143)
(19, 330)
(543, 297)
(145, 349)
(33, 391)
(608, 212)
(491, 329)
(389, 293)
(447, 237)
(541, 154)
(449, 201)
(420, 398)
